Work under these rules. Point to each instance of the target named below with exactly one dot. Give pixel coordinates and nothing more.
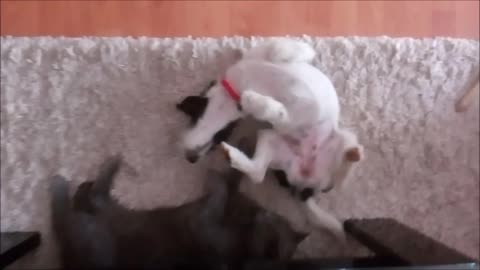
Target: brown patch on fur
(353, 154)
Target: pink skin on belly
(305, 154)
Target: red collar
(230, 90)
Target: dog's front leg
(256, 167)
(264, 108)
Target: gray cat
(224, 229)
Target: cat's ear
(106, 175)
(300, 236)
(82, 199)
(193, 106)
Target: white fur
(282, 50)
(277, 83)
(220, 111)
(324, 219)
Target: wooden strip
(226, 18)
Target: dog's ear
(193, 106)
(354, 154)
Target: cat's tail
(59, 204)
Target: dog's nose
(192, 157)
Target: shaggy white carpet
(68, 103)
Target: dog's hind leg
(321, 218)
(256, 167)
(264, 108)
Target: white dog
(276, 82)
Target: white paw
(264, 107)
(256, 177)
(279, 114)
(238, 160)
(253, 102)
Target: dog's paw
(264, 107)
(237, 159)
(253, 103)
(279, 115)
(225, 148)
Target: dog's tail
(321, 218)
(59, 204)
(282, 50)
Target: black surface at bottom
(326, 263)
(388, 238)
(14, 245)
